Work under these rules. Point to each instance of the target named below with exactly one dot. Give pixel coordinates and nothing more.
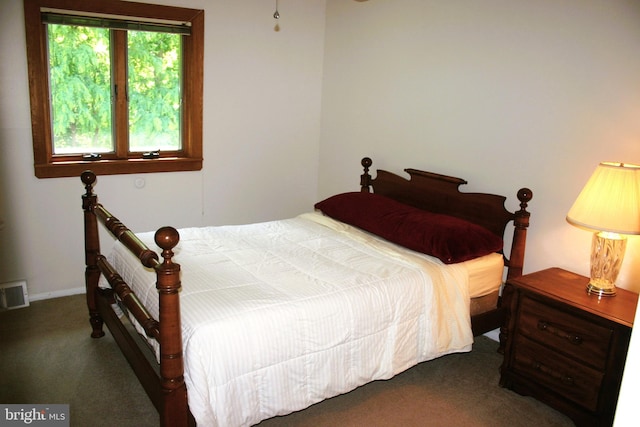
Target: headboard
(441, 194)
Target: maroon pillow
(446, 237)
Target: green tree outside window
(82, 92)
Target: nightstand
(565, 347)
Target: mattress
(485, 274)
(280, 315)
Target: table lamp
(609, 206)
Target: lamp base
(600, 291)
(607, 253)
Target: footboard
(167, 390)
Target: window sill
(114, 167)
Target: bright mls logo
(34, 415)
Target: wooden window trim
(47, 165)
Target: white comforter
(280, 315)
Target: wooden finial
(167, 238)
(88, 178)
(89, 200)
(524, 195)
(365, 178)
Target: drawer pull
(572, 338)
(565, 379)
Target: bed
(243, 323)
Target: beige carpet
(47, 356)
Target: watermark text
(34, 415)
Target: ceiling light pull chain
(276, 16)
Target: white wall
(627, 411)
(261, 142)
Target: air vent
(13, 295)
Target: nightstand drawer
(576, 382)
(573, 336)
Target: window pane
(80, 80)
(154, 90)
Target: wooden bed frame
(165, 384)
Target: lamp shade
(610, 201)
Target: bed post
(516, 262)
(520, 222)
(175, 410)
(365, 178)
(91, 250)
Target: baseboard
(494, 335)
(56, 294)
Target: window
(115, 86)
